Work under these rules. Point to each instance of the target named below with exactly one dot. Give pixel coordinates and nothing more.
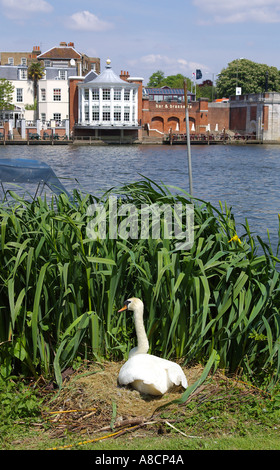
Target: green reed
(60, 290)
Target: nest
(91, 401)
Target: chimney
(70, 44)
(63, 44)
(124, 75)
(36, 51)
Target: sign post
(188, 137)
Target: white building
(108, 106)
(59, 63)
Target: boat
(20, 171)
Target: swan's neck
(142, 340)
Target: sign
(238, 91)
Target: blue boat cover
(20, 170)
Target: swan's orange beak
(122, 309)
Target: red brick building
(162, 117)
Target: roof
(91, 75)
(60, 52)
(164, 91)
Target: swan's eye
(127, 302)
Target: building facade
(165, 117)
(53, 89)
(107, 106)
(257, 114)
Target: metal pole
(188, 137)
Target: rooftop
(63, 51)
(109, 77)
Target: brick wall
(238, 118)
(73, 102)
(165, 116)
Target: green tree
(176, 81)
(35, 73)
(156, 79)
(248, 75)
(6, 94)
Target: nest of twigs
(92, 402)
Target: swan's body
(147, 373)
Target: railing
(209, 138)
(47, 124)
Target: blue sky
(146, 36)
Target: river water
(246, 177)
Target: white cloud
(169, 65)
(20, 9)
(86, 21)
(239, 11)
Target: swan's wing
(152, 370)
(176, 374)
(139, 367)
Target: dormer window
(22, 74)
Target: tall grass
(60, 291)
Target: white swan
(147, 373)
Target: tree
(156, 79)
(6, 94)
(35, 73)
(250, 76)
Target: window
(106, 113)
(126, 94)
(86, 94)
(47, 63)
(95, 113)
(126, 113)
(57, 94)
(117, 94)
(23, 61)
(57, 117)
(95, 94)
(43, 94)
(10, 61)
(117, 113)
(43, 117)
(86, 112)
(93, 66)
(22, 74)
(62, 74)
(19, 95)
(106, 94)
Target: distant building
(105, 106)
(53, 89)
(65, 55)
(257, 114)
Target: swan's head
(132, 304)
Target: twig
(181, 432)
